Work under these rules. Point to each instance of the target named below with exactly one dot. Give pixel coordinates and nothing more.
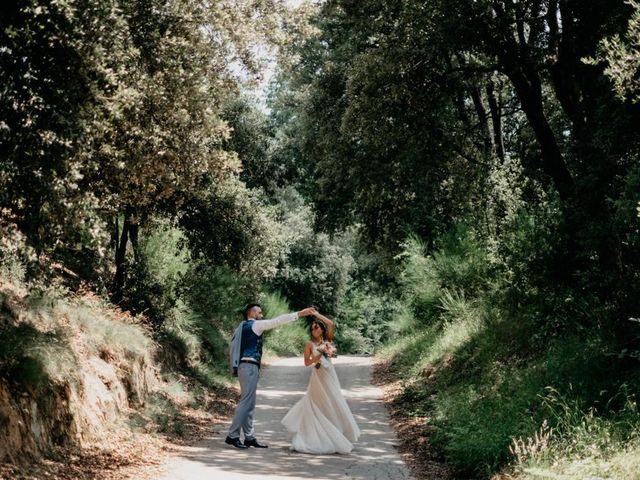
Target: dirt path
(281, 385)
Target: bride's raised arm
(331, 326)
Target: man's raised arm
(261, 326)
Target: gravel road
(282, 384)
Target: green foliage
(161, 262)
(480, 394)
(14, 253)
(622, 56)
(190, 303)
(477, 432)
(478, 131)
(289, 339)
(229, 226)
(117, 107)
(251, 138)
(479, 362)
(316, 273)
(432, 284)
(316, 268)
(193, 344)
(364, 319)
(216, 294)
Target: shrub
(364, 319)
(217, 294)
(316, 268)
(289, 339)
(162, 259)
(461, 265)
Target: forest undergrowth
(90, 391)
(491, 395)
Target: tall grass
(584, 443)
(499, 391)
(460, 267)
(104, 332)
(289, 339)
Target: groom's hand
(306, 312)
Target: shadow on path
(282, 384)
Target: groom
(245, 355)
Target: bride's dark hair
(322, 326)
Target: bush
(289, 339)
(217, 294)
(156, 274)
(230, 227)
(316, 269)
(461, 267)
(364, 319)
(190, 303)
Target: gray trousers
(248, 374)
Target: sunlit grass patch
(622, 462)
(406, 351)
(454, 335)
(105, 335)
(583, 443)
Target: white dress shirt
(260, 326)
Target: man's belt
(255, 362)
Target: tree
(415, 116)
(621, 54)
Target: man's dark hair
(248, 308)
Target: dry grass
(127, 455)
(136, 449)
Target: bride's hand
(307, 311)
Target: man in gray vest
(245, 357)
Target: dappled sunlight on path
(373, 458)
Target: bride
(321, 422)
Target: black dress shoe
(235, 442)
(254, 443)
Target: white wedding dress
(321, 422)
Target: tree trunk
(496, 121)
(115, 233)
(529, 91)
(134, 227)
(572, 81)
(121, 256)
(482, 117)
